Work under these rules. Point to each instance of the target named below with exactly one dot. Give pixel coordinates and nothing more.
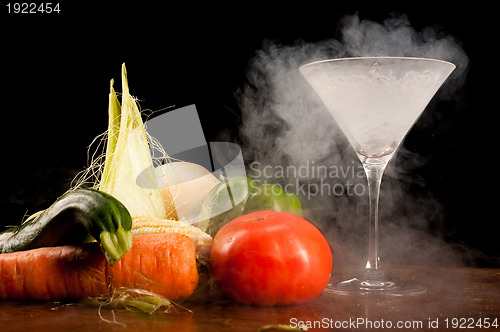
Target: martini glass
(375, 101)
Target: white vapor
(286, 128)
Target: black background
(55, 71)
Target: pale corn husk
(128, 156)
(115, 171)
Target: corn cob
(153, 225)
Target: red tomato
(270, 258)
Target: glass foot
(378, 286)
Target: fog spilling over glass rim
(378, 58)
(376, 101)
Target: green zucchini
(70, 220)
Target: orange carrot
(162, 263)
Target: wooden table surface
(456, 297)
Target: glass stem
(374, 169)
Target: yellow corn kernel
(153, 225)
